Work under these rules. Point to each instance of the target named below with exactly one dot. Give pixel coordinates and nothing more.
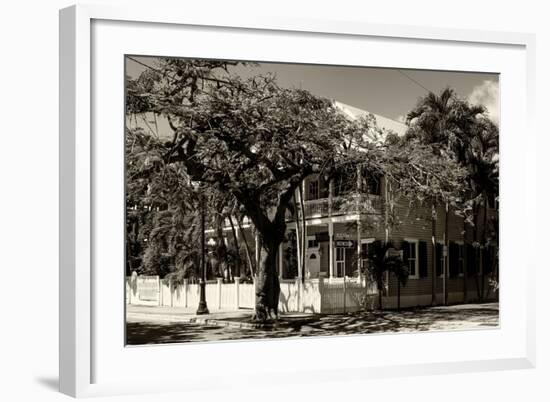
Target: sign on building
(345, 243)
(392, 252)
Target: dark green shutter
(484, 258)
(423, 259)
(464, 262)
(376, 247)
(470, 260)
(488, 259)
(406, 251)
(405, 247)
(453, 259)
(438, 254)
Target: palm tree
(431, 122)
(379, 262)
(482, 161)
(447, 124)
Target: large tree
(445, 123)
(249, 138)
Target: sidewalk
(226, 318)
(169, 325)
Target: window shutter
(376, 247)
(423, 259)
(464, 263)
(453, 259)
(485, 261)
(471, 260)
(438, 253)
(406, 251)
(323, 187)
(488, 259)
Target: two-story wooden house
(343, 219)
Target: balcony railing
(353, 204)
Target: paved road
(157, 327)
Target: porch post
(330, 231)
(236, 306)
(280, 261)
(299, 252)
(359, 188)
(219, 292)
(185, 290)
(359, 250)
(330, 249)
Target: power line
(415, 81)
(406, 75)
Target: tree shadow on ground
(410, 320)
(140, 333)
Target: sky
(389, 92)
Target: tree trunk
(258, 249)
(478, 251)
(247, 248)
(297, 222)
(484, 248)
(464, 263)
(267, 281)
(446, 256)
(221, 248)
(380, 290)
(387, 209)
(494, 277)
(434, 212)
(398, 294)
(304, 231)
(237, 272)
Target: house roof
(382, 122)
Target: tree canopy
(245, 144)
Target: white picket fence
(312, 295)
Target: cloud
(401, 118)
(487, 94)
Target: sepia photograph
(283, 200)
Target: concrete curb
(200, 320)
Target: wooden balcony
(350, 205)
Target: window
(313, 190)
(312, 242)
(456, 259)
(373, 184)
(343, 184)
(365, 253)
(340, 261)
(410, 256)
(370, 182)
(489, 259)
(422, 259)
(471, 253)
(461, 258)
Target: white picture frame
(83, 204)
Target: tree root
(264, 314)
